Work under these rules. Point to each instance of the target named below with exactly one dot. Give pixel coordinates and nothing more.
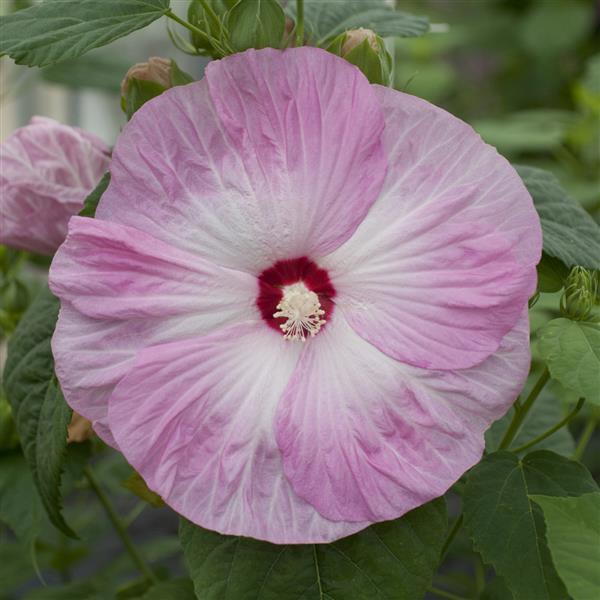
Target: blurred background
(524, 73)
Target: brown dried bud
(79, 430)
(355, 37)
(156, 69)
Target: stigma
(302, 309)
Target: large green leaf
(57, 30)
(20, 506)
(177, 589)
(327, 18)
(95, 70)
(572, 351)
(526, 131)
(570, 233)
(507, 529)
(395, 559)
(39, 409)
(573, 532)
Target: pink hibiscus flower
(47, 170)
(303, 299)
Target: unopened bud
(355, 37)
(366, 50)
(580, 295)
(289, 38)
(145, 81)
(79, 430)
(156, 70)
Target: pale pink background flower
(414, 241)
(46, 171)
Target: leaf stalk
(521, 413)
(113, 517)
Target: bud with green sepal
(253, 24)
(365, 49)
(144, 81)
(208, 16)
(580, 297)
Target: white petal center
(303, 312)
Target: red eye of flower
(307, 287)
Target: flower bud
(145, 81)
(79, 430)
(40, 187)
(156, 70)
(580, 295)
(365, 49)
(355, 37)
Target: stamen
(303, 312)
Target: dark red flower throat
(273, 280)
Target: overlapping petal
(111, 271)
(273, 155)
(47, 170)
(195, 418)
(439, 271)
(364, 437)
(121, 290)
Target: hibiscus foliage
(389, 495)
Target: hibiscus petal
(441, 267)
(110, 271)
(121, 290)
(364, 437)
(92, 355)
(195, 418)
(274, 155)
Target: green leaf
(91, 202)
(539, 130)
(395, 559)
(325, 20)
(571, 350)
(551, 274)
(570, 233)
(20, 506)
(573, 532)
(57, 30)
(551, 29)
(79, 590)
(546, 412)
(179, 77)
(91, 71)
(135, 484)
(40, 411)
(256, 24)
(507, 529)
(177, 589)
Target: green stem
(171, 15)
(211, 14)
(444, 594)
(118, 525)
(521, 413)
(549, 432)
(455, 529)
(299, 22)
(586, 436)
